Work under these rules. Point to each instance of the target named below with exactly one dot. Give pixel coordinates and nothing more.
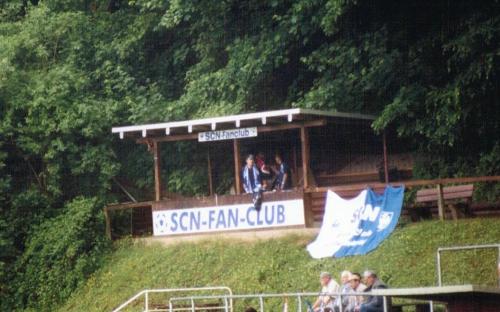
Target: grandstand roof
(274, 117)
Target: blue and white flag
(357, 226)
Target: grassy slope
(407, 258)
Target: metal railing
(299, 298)
(145, 293)
(461, 248)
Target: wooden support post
(304, 140)
(132, 222)
(157, 168)
(440, 201)
(386, 163)
(108, 223)
(308, 213)
(237, 166)
(454, 212)
(294, 159)
(210, 179)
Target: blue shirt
(282, 170)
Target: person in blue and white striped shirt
(251, 176)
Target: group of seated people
(356, 299)
(258, 176)
(355, 294)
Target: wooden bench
(454, 197)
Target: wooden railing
(355, 188)
(407, 184)
(123, 206)
(314, 196)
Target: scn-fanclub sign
(230, 134)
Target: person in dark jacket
(283, 174)
(372, 303)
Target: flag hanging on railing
(357, 226)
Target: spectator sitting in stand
(265, 171)
(251, 177)
(283, 175)
(372, 303)
(345, 288)
(329, 286)
(251, 182)
(356, 287)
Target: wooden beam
(237, 166)
(210, 178)
(169, 138)
(124, 190)
(108, 223)
(294, 158)
(454, 212)
(132, 222)
(157, 169)
(304, 140)
(260, 129)
(124, 206)
(292, 125)
(440, 201)
(308, 213)
(386, 165)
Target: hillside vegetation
(407, 258)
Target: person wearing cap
(251, 176)
(325, 300)
(345, 288)
(372, 303)
(354, 302)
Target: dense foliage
(69, 70)
(64, 251)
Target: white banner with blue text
(357, 226)
(228, 218)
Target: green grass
(406, 258)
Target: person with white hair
(372, 303)
(329, 286)
(345, 288)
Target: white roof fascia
(236, 119)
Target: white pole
(439, 267)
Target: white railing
(461, 248)
(298, 297)
(145, 293)
(197, 303)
